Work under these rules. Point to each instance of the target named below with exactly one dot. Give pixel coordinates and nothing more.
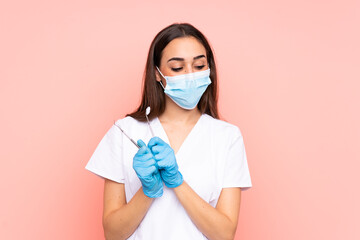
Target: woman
(186, 182)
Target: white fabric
(212, 157)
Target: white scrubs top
(211, 157)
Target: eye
(176, 69)
(200, 67)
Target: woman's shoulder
(129, 121)
(221, 126)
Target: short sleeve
(106, 161)
(236, 167)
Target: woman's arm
(214, 223)
(120, 219)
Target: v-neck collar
(162, 134)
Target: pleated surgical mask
(186, 89)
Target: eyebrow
(182, 59)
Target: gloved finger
(138, 165)
(162, 164)
(164, 154)
(156, 141)
(149, 171)
(148, 162)
(144, 157)
(143, 148)
(141, 143)
(157, 149)
(165, 164)
(141, 168)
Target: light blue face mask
(186, 89)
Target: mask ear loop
(162, 76)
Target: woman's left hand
(165, 158)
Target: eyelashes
(180, 68)
(176, 69)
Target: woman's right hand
(166, 161)
(144, 165)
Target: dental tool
(148, 109)
(127, 136)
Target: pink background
(289, 78)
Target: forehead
(185, 47)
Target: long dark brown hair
(153, 94)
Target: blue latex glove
(166, 162)
(145, 167)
